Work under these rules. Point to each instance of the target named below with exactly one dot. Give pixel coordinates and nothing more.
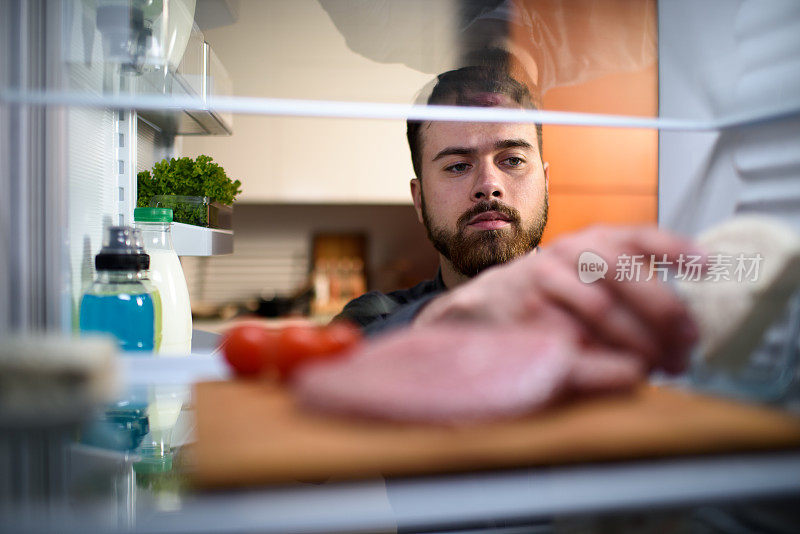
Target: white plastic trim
(367, 110)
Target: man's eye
(458, 167)
(514, 161)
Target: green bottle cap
(152, 215)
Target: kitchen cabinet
(315, 160)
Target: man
(483, 198)
(481, 192)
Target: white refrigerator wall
(92, 184)
(720, 58)
(105, 148)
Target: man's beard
(470, 253)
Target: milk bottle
(167, 276)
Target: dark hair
(468, 86)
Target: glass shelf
(367, 110)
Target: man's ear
(416, 195)
(546, 167)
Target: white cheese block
(761, 256)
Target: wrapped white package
(754, 267)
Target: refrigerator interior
(79, 118)
(727, 116)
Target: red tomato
(340, 336)
(296, 345)
(248, 348)
(252, 349)
(302, 344)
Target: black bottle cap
(115, 261)
(122, 250)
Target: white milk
(163, 410)
(165, 406)
(176, 313)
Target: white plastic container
(167, 276)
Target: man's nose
(487, 184)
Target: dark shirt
(377, 312)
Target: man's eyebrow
(455, 150)
(467, 151)
(512, 143)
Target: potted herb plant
(197, 190)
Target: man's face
(483, 194)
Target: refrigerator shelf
(193, 240)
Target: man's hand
(642, 318)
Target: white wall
(291, 49)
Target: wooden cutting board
(252, 433)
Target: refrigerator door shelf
(193, 240)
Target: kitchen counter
(206, 332)
(218, 326)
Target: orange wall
(607, 175)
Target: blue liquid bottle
(118, 302)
